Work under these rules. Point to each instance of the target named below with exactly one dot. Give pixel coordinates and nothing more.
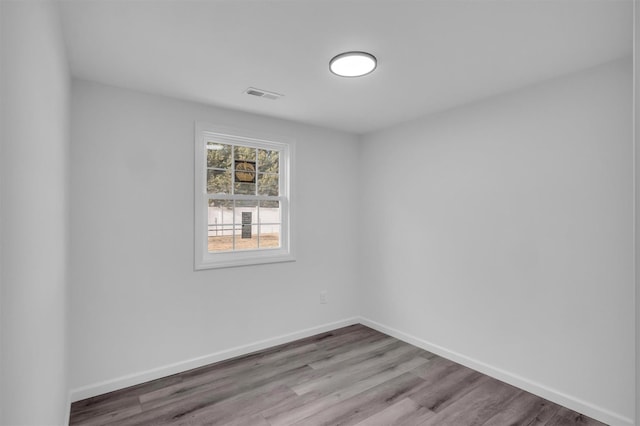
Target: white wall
(136, 302)
(507, 237)
(34, 219)
(2, 136)
(636, 74)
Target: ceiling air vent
(263, 93)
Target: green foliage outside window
(220, 172)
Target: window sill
(235, 259)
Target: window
(242, 198)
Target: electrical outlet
(323, 296)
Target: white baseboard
(179, 367)
(543, 391)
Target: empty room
(318, 212)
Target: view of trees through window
(246, 212)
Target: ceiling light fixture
(353, 64)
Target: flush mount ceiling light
(353, 64)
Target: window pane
(218, 181)
(245, 153)
(269, 236)
(220, 203)
(274, 205)
(268, 184)
(245, 188)
(246, 230)
(242, 205)
(270, 220)
(220, 225)
(246, 243)
(218, 155)
(268, 161)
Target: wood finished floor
(350, 376)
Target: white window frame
(208, 260)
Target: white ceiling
(433, 54)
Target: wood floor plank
(252, 420)
(125, 399)
(242, 406)
(295, 410)
(317, 399)
(405, 411)
(331, 375)
(350, 341)
(525, 409)
(351, 333)
(284, 356)
(566, 417)
(436, 370)
(105, 410)
(165, 410)
(343, 354)
(357, 408)
(249, 373)
(391, 365)
(230, 388)
(350, 376)
(477, 406)
(452, 383)
(253, 374)
(355, 333)
(419, 417)
(380, 357)
(211, 408)
(111, 417)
